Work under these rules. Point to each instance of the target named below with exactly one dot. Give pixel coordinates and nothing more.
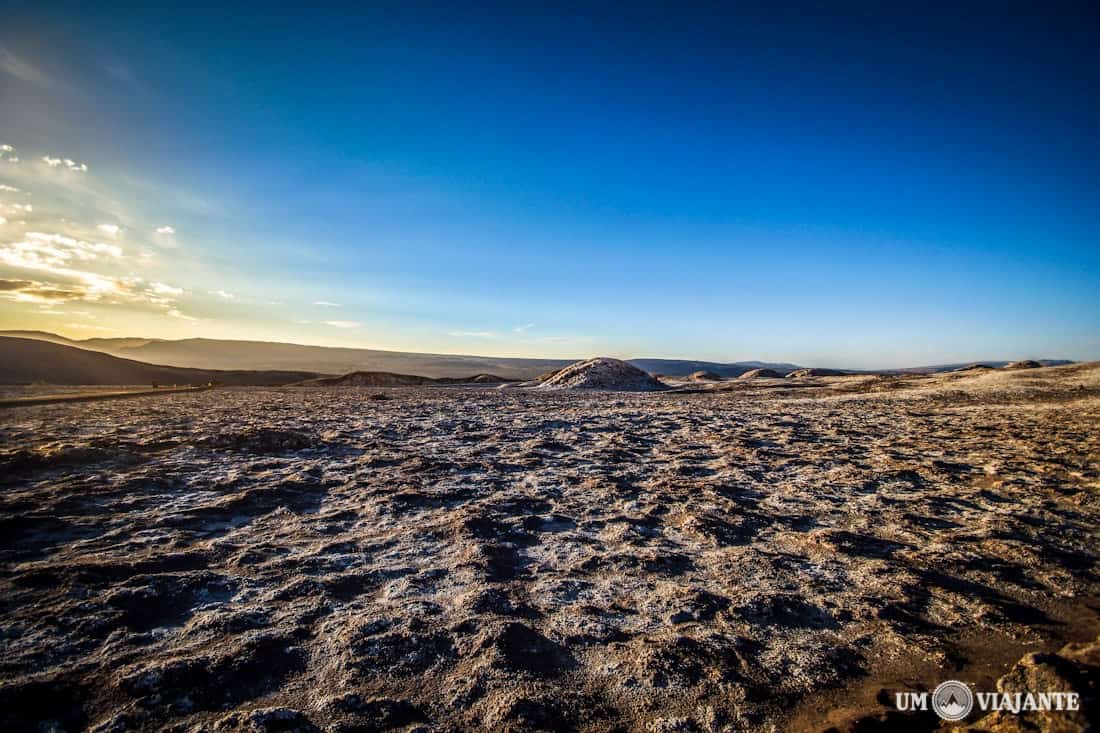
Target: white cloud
(5, 148)
(68, 163)
(55, 250)
(57, 270)
(524, 328)
(342, 324)
(10, 189)
(326, 304)
(13, 159)
(223, 294)
(473, 334)
(3, 220)
(162, 289)
(109, 229)
(176, 314)
(166, 230)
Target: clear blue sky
(855, 186)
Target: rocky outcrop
(603, 373)
(760, 374)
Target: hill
(25, 361)
(684, 368)
(603, 373)
(200, 353)
(389, 379)
(760, 374)
(958, 367)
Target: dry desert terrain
(749, 555)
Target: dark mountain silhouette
(199, 353)
(26, 361)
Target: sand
(753, 560)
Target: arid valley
(748, 555)
(539, 367)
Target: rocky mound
(603, 373)
(759, 374)
(1074, 669)
(476, 379)
(1023, 364)
(704, 376)
(814, 372)
(371, 379)
(974, 368)
(389, 379)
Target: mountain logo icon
(952, 700)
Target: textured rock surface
(605, 374)
(1076, 669)
(265, 559)
(760, 374)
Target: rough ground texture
(1075, 668)
(602, 373)
(301, 559)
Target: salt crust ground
(264, 559)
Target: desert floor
(771, 554)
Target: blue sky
(848, 188)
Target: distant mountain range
(954, 367)
(26, 361)
(201, 353)
(305, 362)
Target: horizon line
(739, 362)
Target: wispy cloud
(108, 229)
(44, 250)
(473, 334)
(4, 186)
(162, 289)
(22, 69)
(524, 328)
(67, 163)
(35, 291)
(166, 230)
(223, 294)
(342, 324)
(326, 304)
